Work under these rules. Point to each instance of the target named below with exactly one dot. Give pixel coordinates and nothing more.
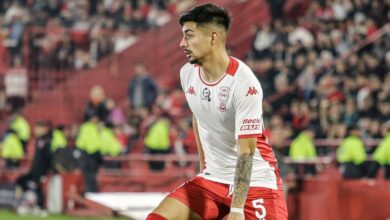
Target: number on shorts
(258, 204)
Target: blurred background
(94, 122)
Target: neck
(214, 66)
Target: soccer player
(239, 177)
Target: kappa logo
(191, 91)
(252, 91)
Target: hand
(235, 216)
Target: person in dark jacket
(142, 90)
(41, 163)
(96, 105)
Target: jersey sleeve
(248, 104)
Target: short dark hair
(207, 13)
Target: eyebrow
(188, 30)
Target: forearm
(242, 179)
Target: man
(41, 164)
(20, 125)
(88, 141)
(302, 148)
(11, 149)
(239, 177)
(142, 90)
(351, 155)
(381, 155)
(157, 140)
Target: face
(40, 130)
(140, 69)
(195, 42)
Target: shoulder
(244, 72)
(244, 76)
(186, 69)
(246, 80)
(186, 73)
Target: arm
(248, 127)
(198, 144)
(246, 149)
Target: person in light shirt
(239, 176)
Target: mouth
(188, 54)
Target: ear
(214, 37)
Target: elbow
(247, 146)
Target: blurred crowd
(76, 34)
(318, 83)
(318, 80)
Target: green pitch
(7, 215)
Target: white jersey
(225, 111)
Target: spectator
(88, 141)
(157, 141)
(136, 119)
(306, 82)
(351, 155)
(11, 149)
(142, 90)
(300, 117)
(16, 16)
(97, 104)
(350, 115)
(20, 125)
(264, 39)
(41, 164)
(109, 145)
(384, 110)
(116, 113)
(279, 133)
(59, 138)
(63, 53)
(302, 148)
(316, 51)
(16, 85)
(382, 153)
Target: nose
(183, 43)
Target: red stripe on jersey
(249, 136)
(231, 70)
(233, 66)
(268, 155)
